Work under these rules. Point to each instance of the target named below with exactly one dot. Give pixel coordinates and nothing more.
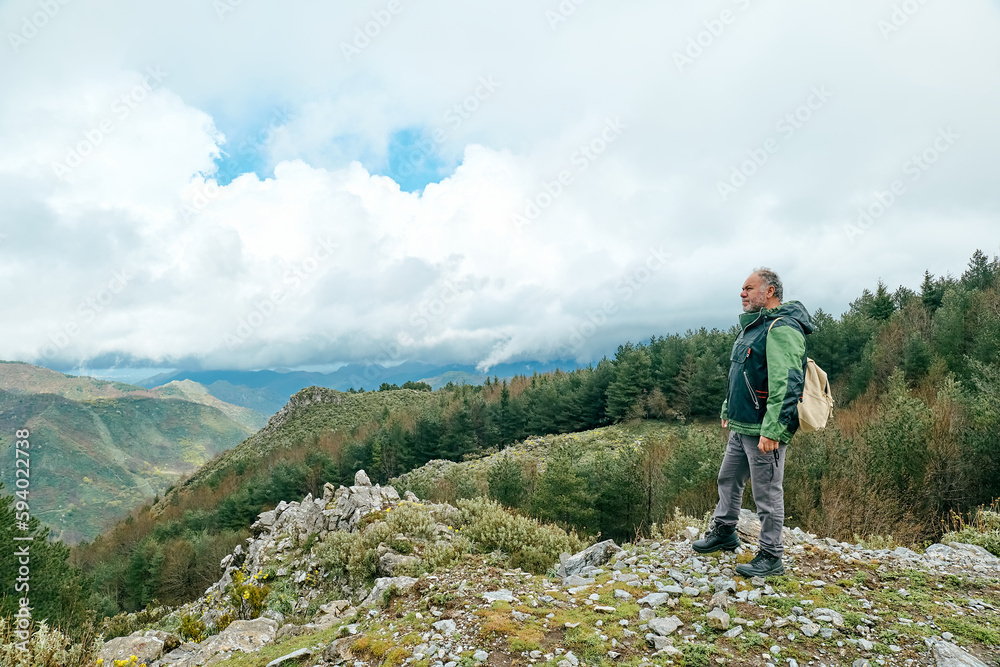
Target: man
(766, 375)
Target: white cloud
(324, 262)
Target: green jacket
(767, 372)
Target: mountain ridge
(101, 448)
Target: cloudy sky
(242, 184)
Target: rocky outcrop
(242, 636)
(662, 595)
(145, 648)
(279, 531)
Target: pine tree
(55, 590)
(931, 292)
(882, 306)
(982, 272)
(632, 381)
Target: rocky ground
(650, 603)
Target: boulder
(835, 617)
(179, 657)
(170, 640)
(748, 528)
(292, 657)
(146, 649)
(246, 636)
(718, 619)
(446, 627)
(383, 584)
(975, 551)
(665, 626)
(947, 654)
(654, 599)
(593, 556)
(339, 651)
(390, 563)
(502, 595)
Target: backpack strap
(772, 324)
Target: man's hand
(767, 445)
(725, 424)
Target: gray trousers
(766, 473)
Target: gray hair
(771, 278)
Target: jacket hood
(790, 309)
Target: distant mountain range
(268, 391)
(99, 448)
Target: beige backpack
(816, 402)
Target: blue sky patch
(414, 160)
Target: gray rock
(809, 629)
(592, 556)
(665, 626)
(861, 662)
(748, 528)
(383, 584)
(575, 580)
(975, 551)
(445, 627)
(390, 563)
(336, 608)
(169, 639)
(938, 550)
(654, 599)
(622, 595)
(721, 585)
(502, 595)
(179, 657)
(734, 632)
(338, 651)
(718, 619)
(147, 649)
(720, 600)
(949, 655)
(291, 657)
(830, 615)
(480, 656)
(361, 479)
(245, 636)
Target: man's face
(754, 294)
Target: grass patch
(697, 655)
(971, 631)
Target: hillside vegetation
(96, 460)
(916, 377)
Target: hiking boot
(763, 565)
(720, 537)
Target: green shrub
(444, 553)
(192, 628)
(983, 530)
(47, 647)
(489, 527)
